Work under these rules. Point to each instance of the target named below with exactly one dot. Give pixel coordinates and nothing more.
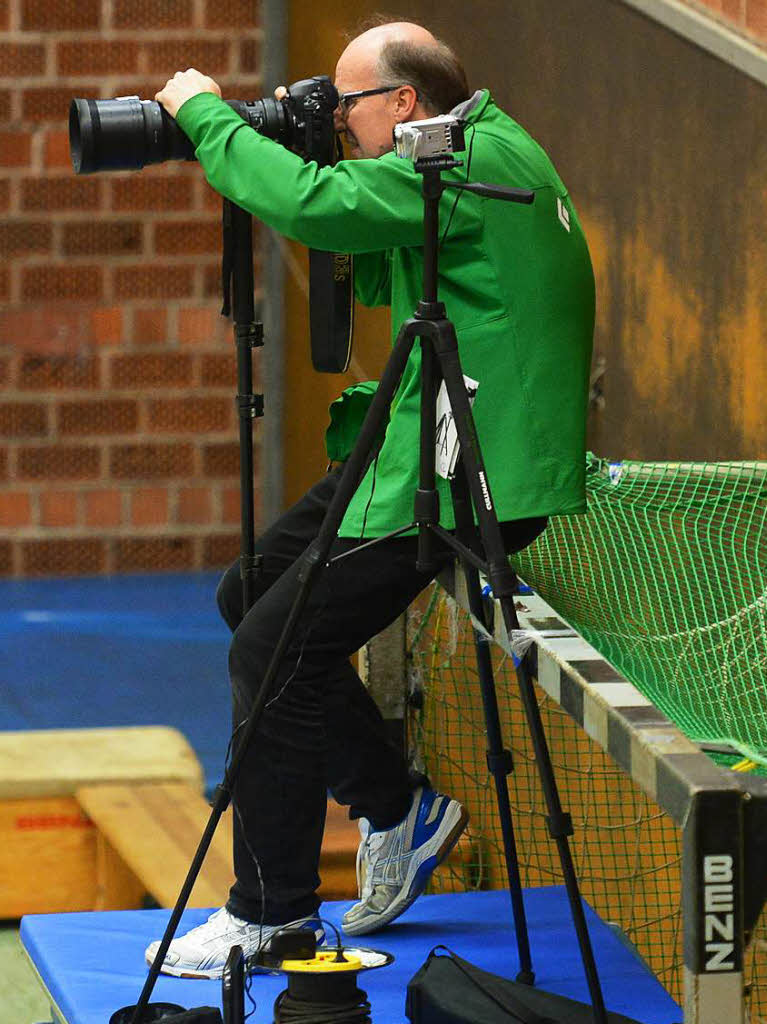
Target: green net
(666, 576)
(626, 850)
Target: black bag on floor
(449, 990)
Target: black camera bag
(449, 990)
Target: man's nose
(338, 120)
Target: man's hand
(182, 87)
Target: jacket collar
(474, 107)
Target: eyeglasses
(346, 100)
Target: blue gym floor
(152, 650)
(126, 650)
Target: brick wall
(118, 440)
(748, 17)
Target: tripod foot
(525, 978)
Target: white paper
(447, 443)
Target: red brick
(150, 326)
(211, 281)
(230, 505)
(148, 14)
(171, 55)
(231, 13)
(137, 193)
(150, 370)
(18, 237)
(196, 415)
(108, 416)
(3, 462)
(61, 282)
(5, 105)
(59, 462)
(203, 236)
(115, 238)
(56, 149)
(250, 55)
(97, 57)
(5, 283)
(58, 508)
(23, 59)
(201, 325)
(4, 16)
(195, 505)
(219, 370)
(6, 558)
(106, 325)
(149, 507)
(5, 194)
(153, 282)
(220, 550)
(49, 15)
(734, 10)
(103, 508)
(68, 193)
(151, 461)
(756, 18)
(43, 330)
(51, 103)
(53, 373)
(221, 460)
(83, 556)
(23, 419)
(15, 509)
(15, 149)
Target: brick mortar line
(37, 36)
(167, 530)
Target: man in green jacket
(517, 283)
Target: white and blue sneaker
(203, 951)
(393, 866)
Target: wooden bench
(155, 829)
(96, 819)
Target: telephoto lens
(127, 133)
(124, 134)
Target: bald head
(421, 74)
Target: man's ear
(405, 101)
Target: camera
(128, 133)
(432, 139)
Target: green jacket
(516, 281)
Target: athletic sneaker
(203, 951)
(393, 866)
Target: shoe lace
(370, 857)
(222, 921)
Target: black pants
(320, 728)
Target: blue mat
(126, 650)
(92, 964)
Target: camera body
(128, 133)
(431, 139)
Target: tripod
(469, 487)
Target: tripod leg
(499, 760)
(502, 580)
(313, 562)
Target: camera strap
(331, 310)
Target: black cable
(289, 1010)
(459, 193)
(370, 499)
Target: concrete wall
(663, 147)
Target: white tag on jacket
(448, 445)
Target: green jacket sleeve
(355, 206)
